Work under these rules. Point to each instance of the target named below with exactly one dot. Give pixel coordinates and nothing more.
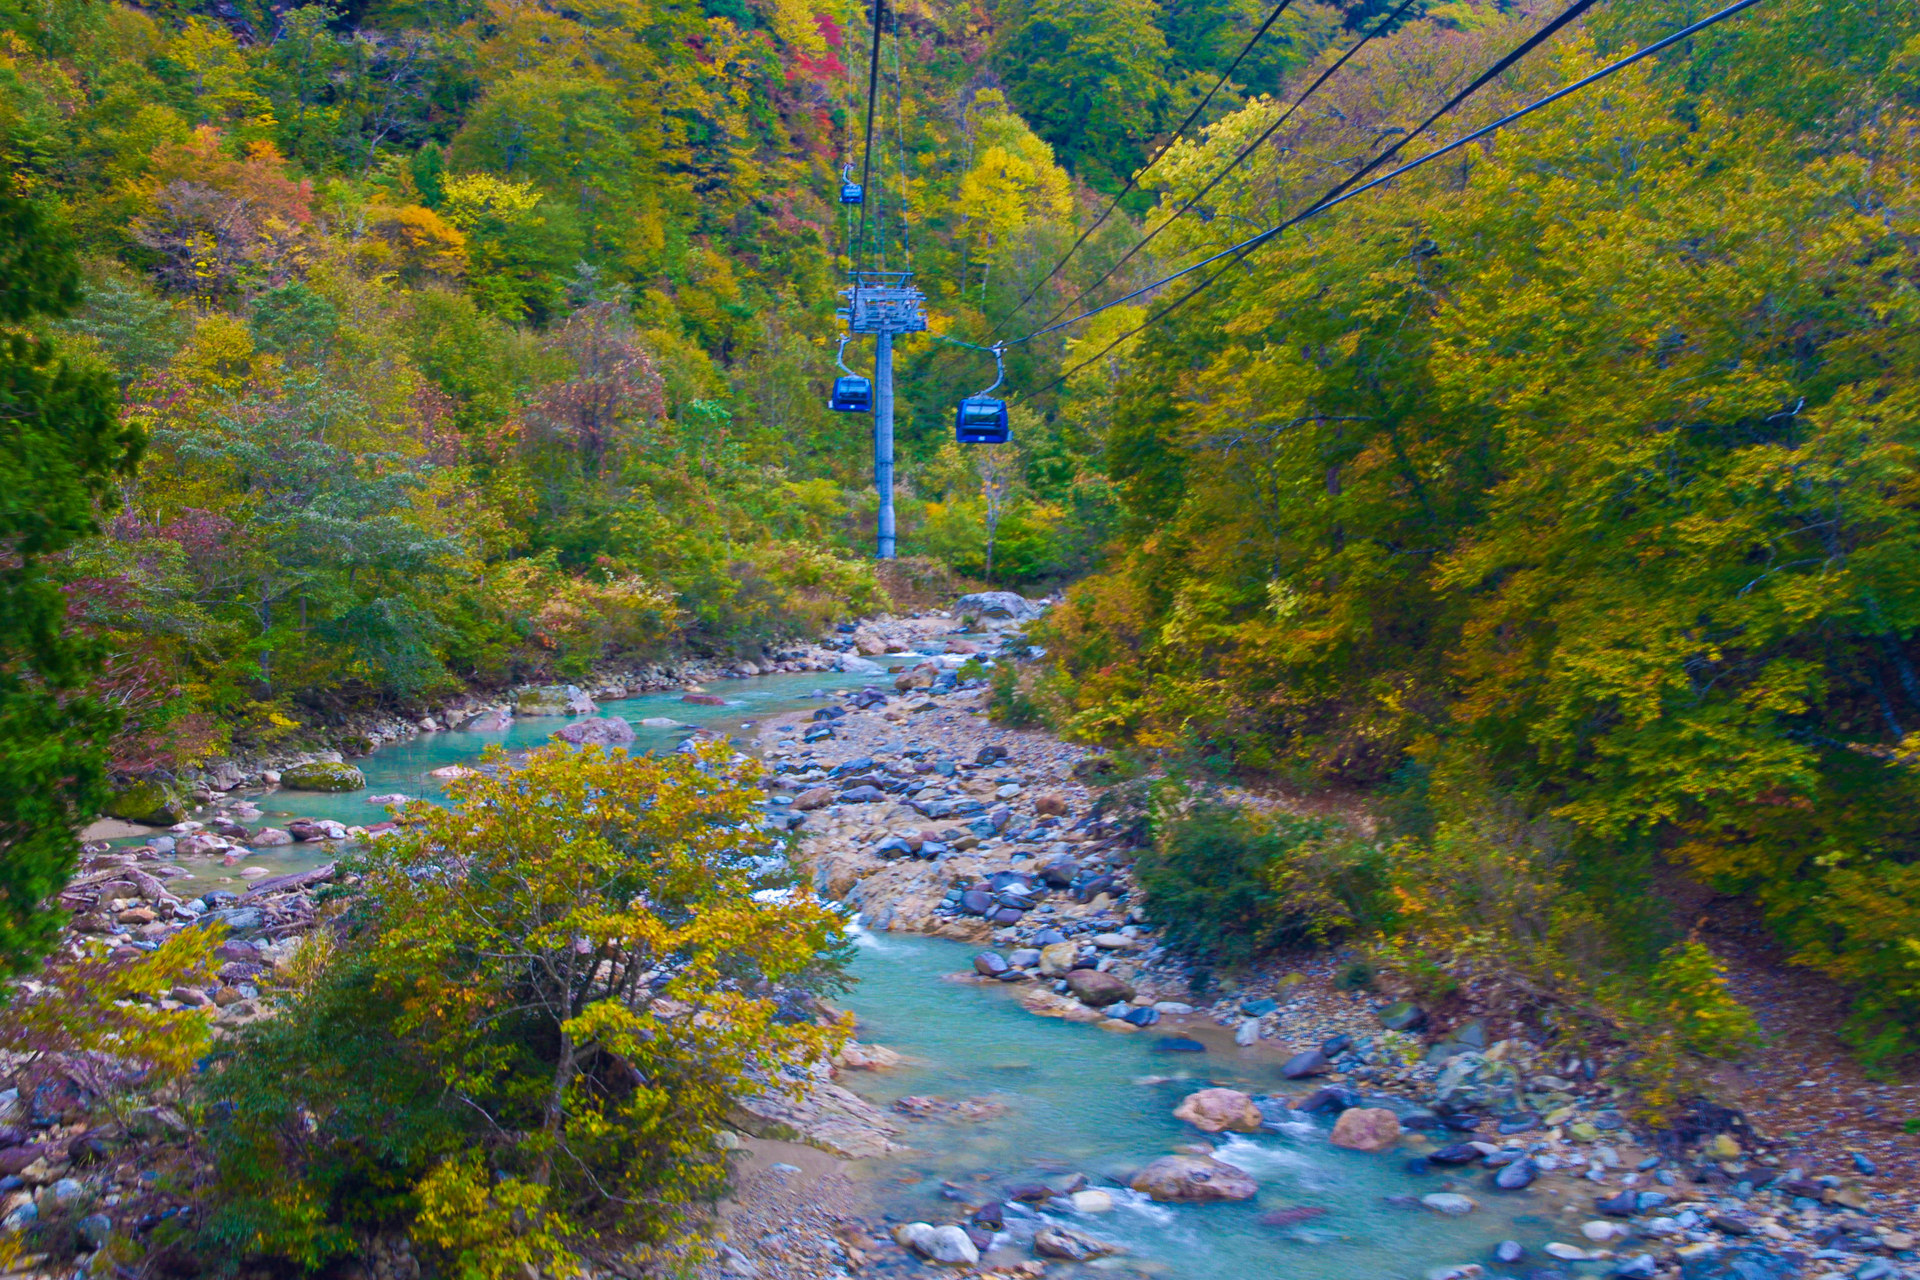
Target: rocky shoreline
(163, 800)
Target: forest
(1557, 501)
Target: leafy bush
(1229, 884)
(1673, 1017)
(541, 1008)
(1010, 699)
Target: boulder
(322, 775)
(1090, 986)
(1456, 1153)
(1301, 1065)
(269, 837)
(1092, 1200)
(1193, 1178)
(813, 798)
(1403, 1017)
(1624, 1205)
(1056, 959)
(148, 802)
(949, 1245)
(1218, 1110)
(997, 604)
(1450, 1203)
(1366, 1129)
(554, 700)
(989, 965)
(1059, 873)
(1059, 1242)
(610, 731)
(490, 722)
(704, 700)
(1051, 804)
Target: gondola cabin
(851, 395)
(852, 193)
(981, 420)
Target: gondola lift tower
(883, 303)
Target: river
(1075, 1098)
(1079, 1099)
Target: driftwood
(298, 880)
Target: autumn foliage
(541, 1004)
(1572, 478)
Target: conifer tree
(60, 441)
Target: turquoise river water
(1078, 1098)
(1074, 1098)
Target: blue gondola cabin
(852, 193)
(852, 395)
(981, 420)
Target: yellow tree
(573, 975)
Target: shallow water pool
(1078, 1098)
(403, 767)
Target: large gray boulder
(608, 732)
(949, 1244)
(998, 605)
(554, 700)
(1098, 989)
(1193, 1178)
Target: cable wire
(900, 147)
(1385, 25)
(1340, 195)
(866, 150)
(1532, 42)
(1140, 173)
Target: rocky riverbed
(913, 809)
(910, 807)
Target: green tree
(60, 445)
(1091, 78)
(547, 1000)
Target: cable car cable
(1337, 197)
(1386, 24)
(873, 81)
(900, 145)
(1140, 173)
(1572, 11)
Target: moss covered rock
(322, 775)
(554, 700)
(150, 802)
